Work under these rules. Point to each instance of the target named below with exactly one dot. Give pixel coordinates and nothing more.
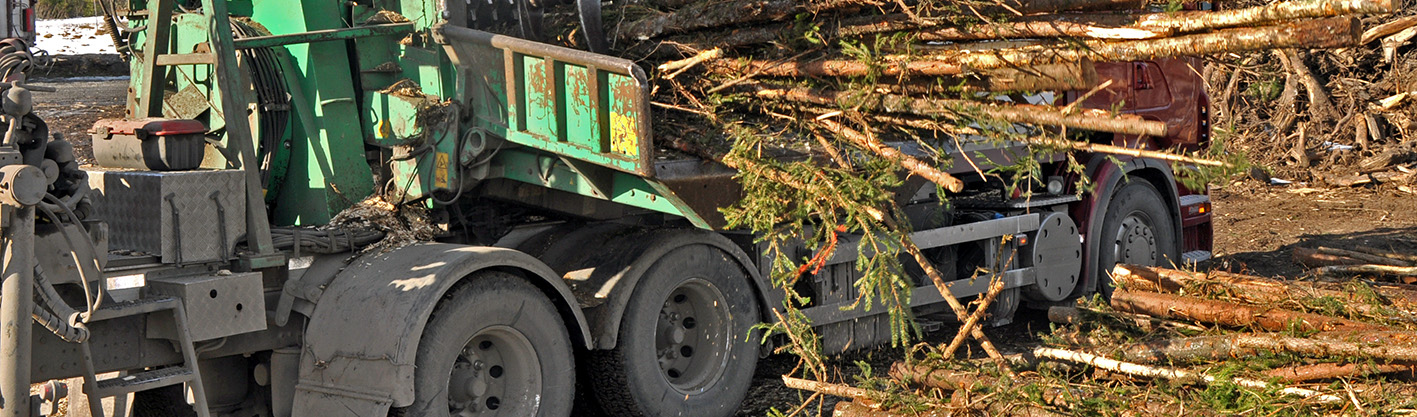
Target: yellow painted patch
(384, 129)
(624, 135)
(440, 171)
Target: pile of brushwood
(1175, 342)
(1337, 118)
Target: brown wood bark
(1259, 290)
(1076, 315)
(852, 409)
(1385, 270)
(1069, 76)
(835, 390)
(842, 68)
(1229, 314)
(1065, 76)
(995, 287)
(1311, 258)
(933, 377)
(1389, 28)
(1321, 371)
(910, 163)
(1387, 254)
(1370, 258)
(1197, 21)
(1087, 119)
(1335, 32)
(1049, 28)
(1054, 6)
(1114, 26)
(1320, 106)
(716, 13)
(1386, 346)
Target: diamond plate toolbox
(217, 305)
(184, 217)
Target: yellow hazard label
(624, 135)
(440, 171)
(384, 129)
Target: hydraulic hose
(327, 241)
(65, 321)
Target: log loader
(203, 253)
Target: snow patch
(80, 35)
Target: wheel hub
(1136, 242)
(692, 337)
(495, 374)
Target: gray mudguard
(604, 279)
(358, 355)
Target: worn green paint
(326, 35)
(546, 170)
(544, 109)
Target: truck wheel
(684, 347)
(1137, 230)
(495, 346)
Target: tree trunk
(1311, 258)
(1085, 119)
(1198, 21)
(835, 390)
(1259, 290)
(1399, 271)
(1387, 254)
(1323, 33)
(944, 379)
(1320, 107)
(1386, 346)
(1389, 28)
(892, 154)
(714, 13)
(1229, 314)
(1321, 371)
(842, 68)
(1366, 257)
(1054, 6)
(1179, 375)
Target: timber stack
(907, 69)
(1170, 342)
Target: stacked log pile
(1175, 342)
(911, 68)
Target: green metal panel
(588, 107)
(550, 171)
(329, 171)
(578, 116)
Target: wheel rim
(692, 337)
(496, 374)
(1136, 241)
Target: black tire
(1137, 229)
(709, 340)
(495, 346)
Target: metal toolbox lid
(144, 128)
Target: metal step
(134, 308)
(146, 380)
